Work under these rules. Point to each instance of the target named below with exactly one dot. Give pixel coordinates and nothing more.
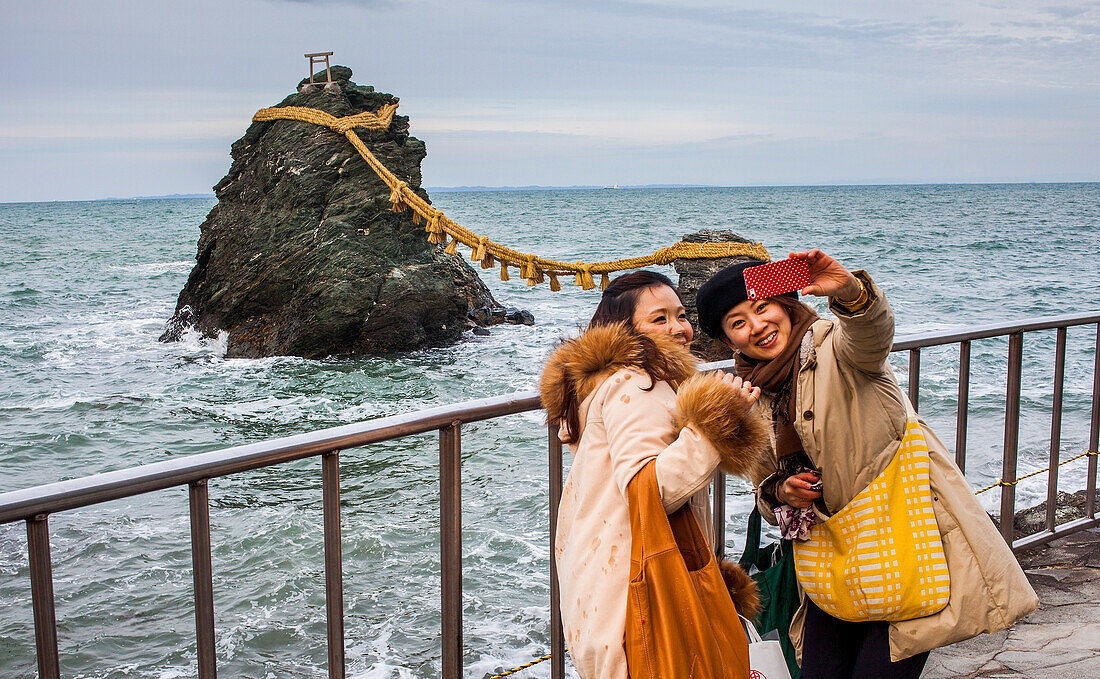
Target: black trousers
(835, 649)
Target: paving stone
(1061, 640)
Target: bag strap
(653, 532)
(910, 411)
(752, 541)
(650, 532)
(750, 630)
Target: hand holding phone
(776, 278)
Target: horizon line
(476, 188)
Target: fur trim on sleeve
(578, 366)
(708, 405)
(743, 591)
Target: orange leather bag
(680, 620)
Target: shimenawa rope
(531, 267)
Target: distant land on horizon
(589, 187)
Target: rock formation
(302, 255)
(695, 272)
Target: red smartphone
(776, 278)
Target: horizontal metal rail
(64, 495)
(34, 505)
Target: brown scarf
(777, 379)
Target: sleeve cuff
(867, 296)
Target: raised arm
(865, 321)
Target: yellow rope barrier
(512, 671)
(1002, 482)
(489, 253)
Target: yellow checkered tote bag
(880, 557)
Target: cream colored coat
(851, 418)
(624, 424)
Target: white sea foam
(194, 345)
(156, 268)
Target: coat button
(808, 415)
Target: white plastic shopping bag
(766, 659)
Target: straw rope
(439, 227)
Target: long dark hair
(617, 307)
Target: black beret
(725, 290)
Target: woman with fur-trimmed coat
(624, 393)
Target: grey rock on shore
(302, 255)
(693, 273)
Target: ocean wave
(155, 268)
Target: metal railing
(34, 505)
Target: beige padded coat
(625, 421)
(851, 418)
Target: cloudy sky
(111, 98)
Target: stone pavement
(1061, 640)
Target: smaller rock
(693, 273)
(481, 316)
(518, 316)
(480, 331)
(1067, 507)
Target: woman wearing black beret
(839, 416)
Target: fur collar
(578, 366)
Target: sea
(86, 387)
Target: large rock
(693, 273)
(302, 255)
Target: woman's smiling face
(758, 328)
(658, 310)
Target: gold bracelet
(859, 297)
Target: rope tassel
(478, 255)
(604, 282)
(504, 270)
(555, 286)
(435, 222)
(583, 277)
(396, 196)
(452, 247)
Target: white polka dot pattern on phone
(776, 278)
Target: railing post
(45, 620)
(963, 409)
(719, 514)
(450, 547)
(557, 634)
(1056, 425)
(202, 572)
(1012, 434)
(1094, 431)
(914, 377)
(334, 574)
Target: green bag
(775, 579)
